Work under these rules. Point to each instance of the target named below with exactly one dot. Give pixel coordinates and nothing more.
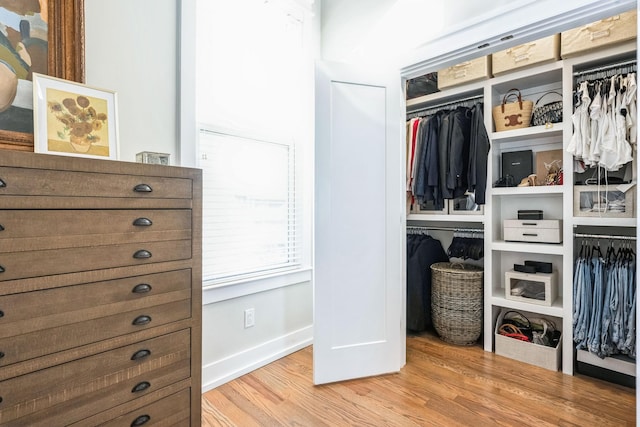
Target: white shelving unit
(555, 201)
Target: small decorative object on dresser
(153, 158)
(73, 119)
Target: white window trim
(229, 290)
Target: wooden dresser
(100, 292)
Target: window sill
(222, 292)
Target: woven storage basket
(456, 302)
(512, 115)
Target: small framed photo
(73, 119)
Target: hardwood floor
(441, 385)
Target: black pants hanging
(422, 251)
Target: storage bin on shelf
(456, 302)
(535, 354)
(465, 72)
(536, 52)
(603, 201)
(605, 32)
(545, 285)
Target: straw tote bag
(512, 115)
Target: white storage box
(596, 201)
(538, 231)
(466, 72)
(534, 354)
(537, 52)
(545, 282)
(616, 29)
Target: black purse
(547, 113)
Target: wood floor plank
(441, 385)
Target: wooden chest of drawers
(100, 292)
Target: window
(253, 81)
(250, 217)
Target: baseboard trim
(234, 366)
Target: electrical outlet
(249, 317)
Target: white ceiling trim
(529, 22)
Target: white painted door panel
(359, 283)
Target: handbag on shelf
(547, 113)
(512, 115)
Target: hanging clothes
(449, 156)
(422, 251)
(604, 122)
(604, 295)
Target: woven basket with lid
(456, 302)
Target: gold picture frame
(65, 57)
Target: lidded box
(605, 32)
(465, 72)
(536, 52)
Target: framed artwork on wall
(36, 36)
(74, 119)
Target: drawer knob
(142, 188)
(2, 183)
(1, 269)
(142, 254)
(1, 354)
(1, 227)
(141, 320)
(141, 387)
(1, 314)
(142, 419)
(141, 288)
(142, 222)
(141, 354)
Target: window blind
(249, 207)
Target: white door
(359, 274)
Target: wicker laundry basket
(456, 302)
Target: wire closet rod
(605, 67)
(603, 236)
(444, 104)
(437, 228)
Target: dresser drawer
(59, 183)
(19, 346)
(29, 312)
(18, 265)
(51, 229)
(172, 411)
(73, 391)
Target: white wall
(390, 28)
(133, 47)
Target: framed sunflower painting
(74, 119)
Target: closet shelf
(533, 248)
(448, 95)
(522, 191)
(623, 365)
(529, 77)
(604, 221)
(445, 217)
(531, 132)
(555, 310)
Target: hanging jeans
(594, 313)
